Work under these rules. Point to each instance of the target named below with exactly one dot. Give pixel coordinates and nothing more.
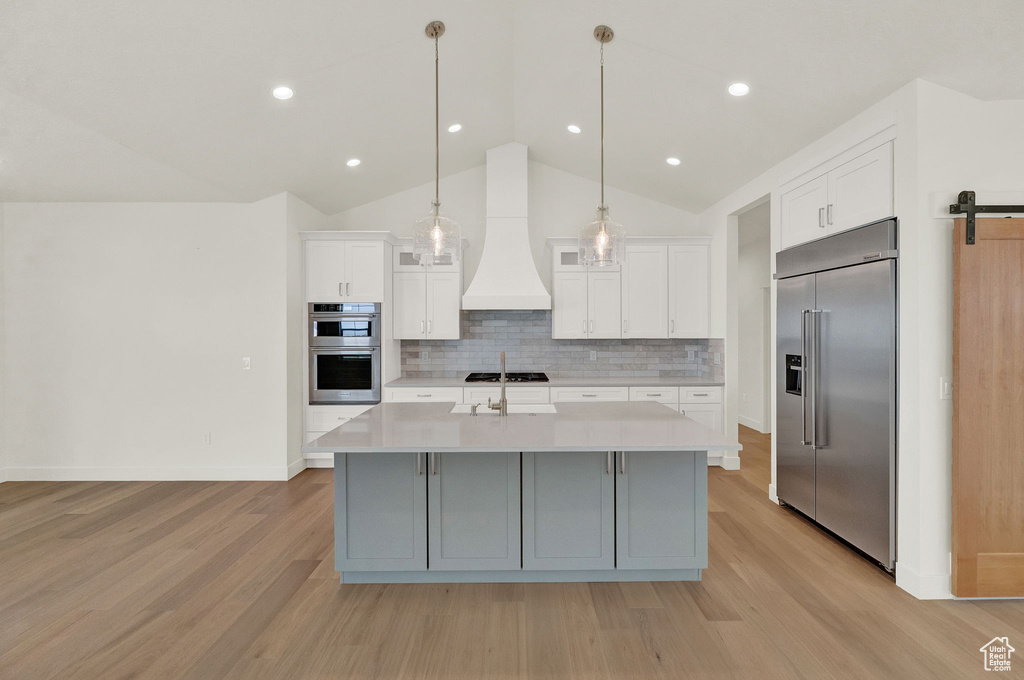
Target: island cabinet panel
(474, 511)
(380, 512)
(659, 523)
(568, 511)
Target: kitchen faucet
(502, 406)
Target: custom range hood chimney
(507, 277)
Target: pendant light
(601, 242)
(436, 239)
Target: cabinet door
(803, 212)
(409, 317)
(364, 268)
(325, 271)
(444, 298)
(568, 510)
(604, 304)
(860, 191)
(659, 523)
(689, 292)
(569, 305)
(474, 511)
(380, 512)
(708, 415)
(645, 292)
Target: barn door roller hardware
(966, 205)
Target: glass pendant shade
(602, 241)
(436, 239)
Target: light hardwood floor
(159, 581)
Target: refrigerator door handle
(816, 345)
(806, 373)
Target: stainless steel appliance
(344, 353)
(513, 377)
(836, 396)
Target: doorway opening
(753, 288)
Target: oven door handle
(344, 317)
(342, 350)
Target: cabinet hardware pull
(419, 464)
(829, 213)
(623, 325)
(654, 394)
(421, 325)
(591, 326)
(341, 290)
(682, 411)
(433, 464)
(584, 326)
(589, 395)
(622, 462)
(608, 464)
(424, 396)
(348, 288)
(700, 394)
(673, 323)
(821, 218)
(430, 325)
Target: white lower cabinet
(473, 511)
(568, 510)
(584, 394)
(423, 394)
(516, 394)
(322, 419)
(708, 415)
(662, 395)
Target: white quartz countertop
(560, 382)
(430, 427)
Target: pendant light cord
(437, 131)
(602, 125)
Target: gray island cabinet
(594, 492)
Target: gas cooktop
(510, 377)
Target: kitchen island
(583, 492)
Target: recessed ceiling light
(739, 89)
(575, 129)
(283, 92)
(353, 162)
(673, 161)
(455, 127)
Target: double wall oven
(344, 353)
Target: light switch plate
(246, 363)
(945, 388)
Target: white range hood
(507, 277)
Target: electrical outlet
(743, 398)
(207, 438)
(593, 355)
(246, 363)
(945, 388)
(425, 355)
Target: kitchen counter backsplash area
(525, 337)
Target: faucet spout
(502, 406)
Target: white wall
(126, 325)
(559, 204)
(3, 367)
(300, 216)
(753, 281)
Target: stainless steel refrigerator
(836, 396)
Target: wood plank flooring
(202, 580)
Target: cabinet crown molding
(563, 241)
(385, 236)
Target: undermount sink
(513, 409)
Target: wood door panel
(988, 400)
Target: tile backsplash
(525, 336)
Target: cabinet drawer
(589, 394)
(424, 394)
(662, 395)
(700, 395)
(515, 395)
(325, 418)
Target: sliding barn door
(988, 410)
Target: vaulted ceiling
(143, 100)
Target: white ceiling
(141, 100)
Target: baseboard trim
(521, 576)
(251, 473)
(750, 422)
(773, 494)
(730, 460)
(3, 475)
(923, 586)
(296, 467)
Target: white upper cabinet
(444, 297)
(803, 212)
(645, 292)
(855, 192)
(689, 291)
(860, 191)
(604, 304)
(409, 318)
(569, 314)
(344, 271)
